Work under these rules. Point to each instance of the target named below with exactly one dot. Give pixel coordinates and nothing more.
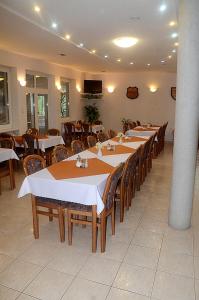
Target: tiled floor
(144, 260)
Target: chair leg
(70, 228)
(121, 211)
(61, 224)
(113, 219)
(94, 228)
(11, 171)
(103, 233)
(35, 218)
(50, 210)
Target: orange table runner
(130, 139)
(67, 169)
(119, 149)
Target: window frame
(9, 126)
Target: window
(36, 81)
(4, 101)
(64, 99)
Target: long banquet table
(66, 182)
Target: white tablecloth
(50, 141)
(6, 154)
(86, 190)
(97, 128)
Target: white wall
(18, 65)
(150, 107)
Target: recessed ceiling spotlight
(37, 8)
(176, 44)
(148, 65)
(93, 51)
(80, 45)
(162, 61)
(174, 35)
(67, 36)
(131, 63)
(105, 56)
(170, 57)
(162, 7)
(54, 25)
(125, 42)
(174, 50)
(172, 23)
(119, 60)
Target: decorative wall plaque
(132, 92)
(173, 92)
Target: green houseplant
(91, 113)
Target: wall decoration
(132, 92)
(173, 92)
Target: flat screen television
(93, 86)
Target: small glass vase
(120, 140)
(99, 153)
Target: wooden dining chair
(6, 167)
(53, 132)
(31, 164)
(90, 212)
(91, 140)
(102, 137)
(60, 153)
(126, 188)
(111, 133)
(144, 159)
(31, 144)
(33, 131)
(77, 146)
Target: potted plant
(92, 113)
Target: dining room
(99, 150)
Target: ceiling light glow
(67, 36)
(174, 50)
(174, 35)
(131, 63)
(176, 44)
(54, 25)
(93, 51)
(125, 42)
(105, 56)
(170, 57)
(37, 8)
(162, 61)
(80, 45)
(172, 23)
(119, 60)
(162, 7)
(148, 65)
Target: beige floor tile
(8, 294)
(19, 274)
(69, 260)
(150, 224)
(175, 263)
(167, 287)
(5, 261)
(197, 289)
(116, 294)
(26, 297)
(114, 250)
(147, 239)
(196, 266)
(86, 290)
(178, 245)
(142, 256)
(135, 279)
(49, 285)
(99, 269)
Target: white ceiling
(95, 23)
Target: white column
(187, 116)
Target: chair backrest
(111, 133)
(146, 149)
(60, 153)
(77, 146)
(6, 143)
(129, 175)
(53, 131)
(91, 140)
(102, 137)
(33, 163)
(131, 125)
(111, 186)
(29, 141)
(85, 127)
(138, 123)
(125, 127)
(69, 128)
(33, 131)
(98, 122)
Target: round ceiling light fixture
(125, 42)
